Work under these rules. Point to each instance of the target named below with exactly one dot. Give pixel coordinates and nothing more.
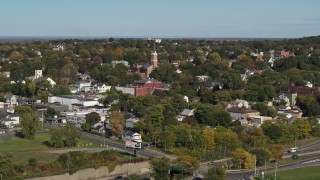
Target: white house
(202, 78)
(11, 99)
(11, 120)
(58, 47)
(185, 113)
(41, 79)
(81, 84)
(125, 63)
(101, 88)
(131, 136)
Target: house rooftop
(241, 110)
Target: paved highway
(146, 152)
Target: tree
(214, 57)
(56, 137)
(187, 163)
(242, 159)
(161, 166)
(301, 128)
(92, 118)
(117, 122)
(277, 151)
(226, 138)
(208, 136)
(29, 121)
(16, 56)
(271, 130)
(86, 127)
(168, 138)
(216, 173)
(262, 155)
(71, 135)
(51, 112)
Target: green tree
(272, 131)
(215, 173)
(29, 121)
(71, 135)
(161, 166)
(168, 138)
(214, 57)
(86, 127)
(92, 118)
(263, 155)
(56, 137)
(117, 122)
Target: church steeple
(154, 56)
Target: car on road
(293, 149)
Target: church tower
(154, 57)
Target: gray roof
(146, 66)
(187, 112)
(129, 133)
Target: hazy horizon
(164, 19)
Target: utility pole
(275, 172)
(255, 168)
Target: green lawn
(23, 149)
(305, 173)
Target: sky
(161, 18)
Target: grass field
(305, 173)
(22, 149)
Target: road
(146, 152)
(248, 174)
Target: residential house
(290, 111)
(101, 87)
(81, 85)
(238, 113)
(11, 99)
(131, 136)
(11, 120)
(202, 78)
(125, 63)
(58, 47)
(5, 74)
(83, 77)
(130, 122)
(186, 113)
(51, 82)
(259, 119)
(288, 98)
(98, 128)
